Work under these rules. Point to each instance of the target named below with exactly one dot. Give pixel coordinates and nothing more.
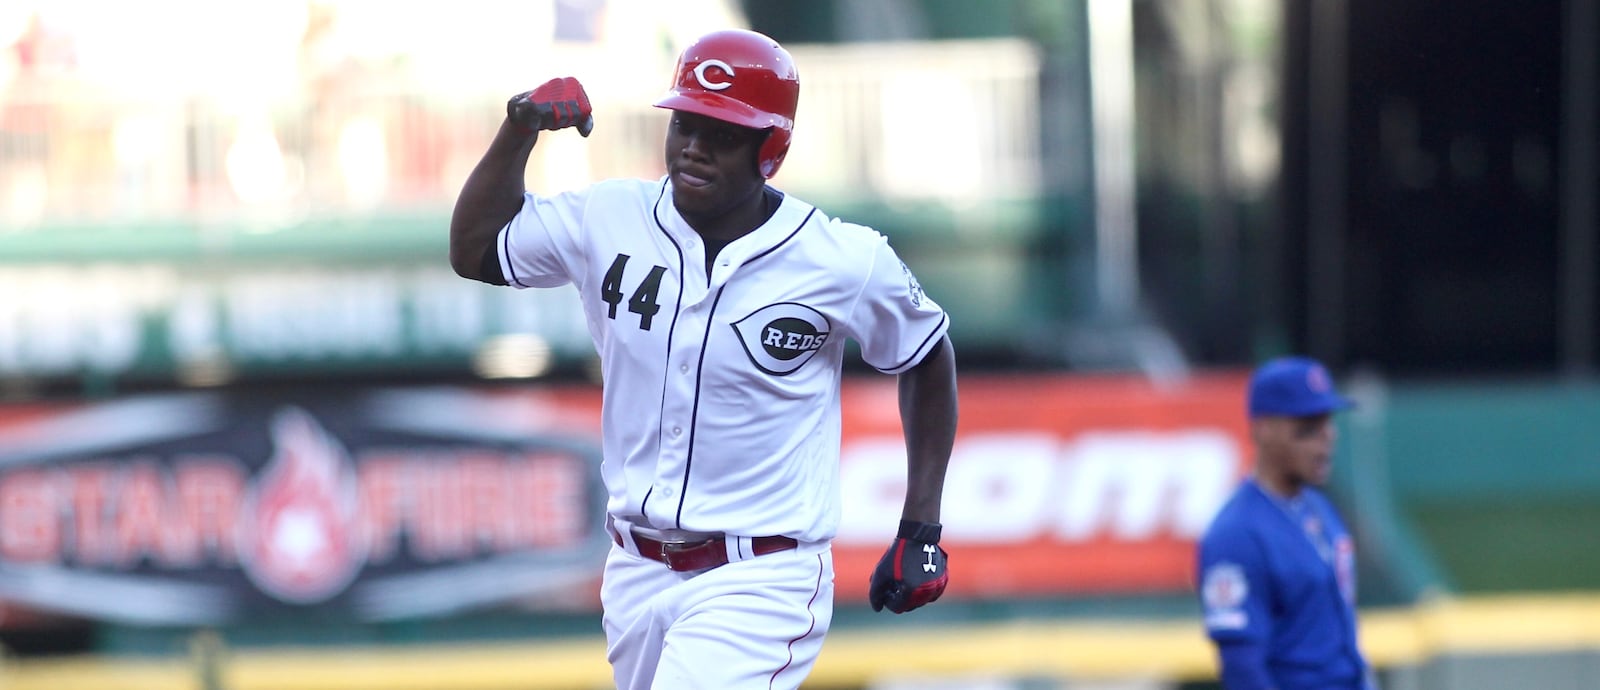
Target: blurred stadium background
(255, 435)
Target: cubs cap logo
(1317, 380)
(780, 338)
(700, 74)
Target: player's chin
(1321, 471)
(692, 192)
(696, 202)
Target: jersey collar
(779, 228)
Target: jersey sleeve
(893, 320)
(1235, 588)
(1244, 665)
(540, 246)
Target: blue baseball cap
(1294, 387)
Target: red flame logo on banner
(299, 540)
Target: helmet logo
(700, 75)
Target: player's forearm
(928, 414)
(489, 199)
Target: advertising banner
(1058, 485)
(388, 503)
(208, 508)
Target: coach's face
(712, 166)
(1298, 450)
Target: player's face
(1297, 450)
(711, 164)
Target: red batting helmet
(744, 78)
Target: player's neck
(1277, 484)
(738, 221)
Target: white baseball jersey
(721, 402)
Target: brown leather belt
(699, 554)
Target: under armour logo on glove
(556, 104)
(913, 572)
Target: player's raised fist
(556, 104)
(912, 572)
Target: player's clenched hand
(556, 104)
(912, 572)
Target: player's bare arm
(491, 196)
(914, 569)
(928, 412)
(493, 192)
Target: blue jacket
(1277, 584)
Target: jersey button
(683, 368)
(677, 431)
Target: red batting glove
(913, 572)
(556, 104)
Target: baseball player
(1277, 566)
(720, 307)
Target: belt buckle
(671, 548)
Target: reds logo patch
(780, 338)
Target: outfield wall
(119, 510)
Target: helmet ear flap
(772, 151)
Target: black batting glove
(912, 572)
(556, 104)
